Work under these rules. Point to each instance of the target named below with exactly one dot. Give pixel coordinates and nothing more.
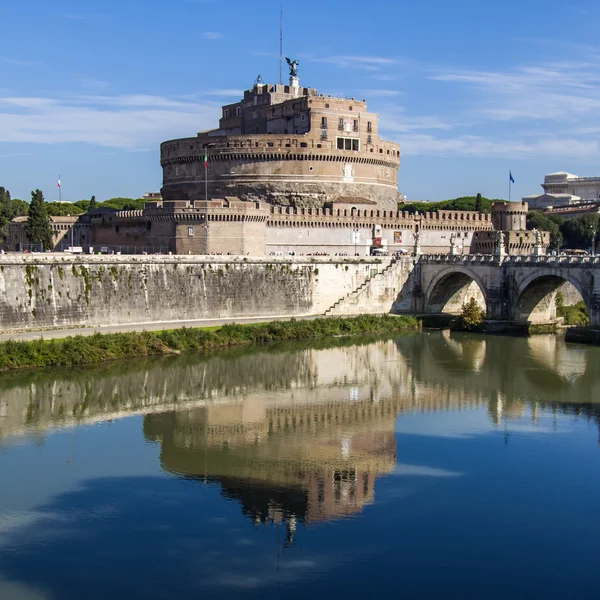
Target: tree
(478, 203)
(93, 205)
(38, 228)
(579, 232)
(5, 213)
(472, 315)
(63, 209)
(538, 220)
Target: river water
(423, 466)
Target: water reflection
(301, 433)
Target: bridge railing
(466, 259)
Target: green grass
(81, 350)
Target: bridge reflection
(301, 433)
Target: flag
(59, 181)
(205, 158)
(511, 178)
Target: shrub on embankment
(97, 348)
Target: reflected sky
(426, 465)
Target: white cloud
(380, 93)
(211, 35)
(127, 121)
(18, 61)
(364, 63)
(224, 92)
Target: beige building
(66, 231)
(286, 145)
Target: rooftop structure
(562, 189)
(286, 145)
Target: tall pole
(205, 173)
(59, 190)
(509, 185)
(281, 46)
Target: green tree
(579, 232)
(538, 220)
(472, 315)
(83, 204)
(124, 203)
(93, 204)
(478, 203)
(38, 228)
(63, 209)
(462, 203)
(6, 213)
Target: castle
(289, 146)
(290, 171)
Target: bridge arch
(535, 298)
(451, 288)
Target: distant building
(565, 189)
(66, 231)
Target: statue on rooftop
(293, 64)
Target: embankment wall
(43, 291)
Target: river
(423, 465)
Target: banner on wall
(397, 237)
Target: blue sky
(470, 89)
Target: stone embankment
(57, 291)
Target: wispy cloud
(212, 35)
(128, 121)
(380, 93)
(223, 92)
(364, 63)
(19, 62)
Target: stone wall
(41, 291)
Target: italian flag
(205, 158)
(59, 181)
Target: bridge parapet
(466, 259)
(470, 259)
(553, 261)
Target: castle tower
(509, 216)
(286, 145)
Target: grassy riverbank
(81, 350)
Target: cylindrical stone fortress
(289, 146)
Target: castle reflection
(301, 433)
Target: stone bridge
(520, 289)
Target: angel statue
(293, 66)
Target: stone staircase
(354, 294)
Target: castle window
(369, 127)
(369, 141)
(349, 108)
(355, 124)
(319, 145)
(225, 113)
(303, 117)
(303, 145)
(270, 144)
(238, 111)
(323, 122)
(340, 123)
(326, 105)
(190, 232)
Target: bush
(97, 348)
(472, 315)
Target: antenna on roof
(281, 45)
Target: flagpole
(59, 190)
(205, 175)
